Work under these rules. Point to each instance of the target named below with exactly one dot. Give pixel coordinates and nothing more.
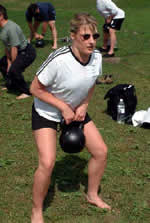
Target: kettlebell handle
(81, 125)
(63, 124)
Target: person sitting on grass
(18, 55)
(114, 18)
(62, 88)
(42, 12)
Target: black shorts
(39, 122)
(115, 24)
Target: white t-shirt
(107, 8)
(67, 79)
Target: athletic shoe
(103, 50)
(108, 55)
(115, 48)
(102, 80)
(109, 79)
(106, 79)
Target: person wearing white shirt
(114, 18)
(63, 87)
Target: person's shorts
(39, 122)
(50, 16)
(115, 24)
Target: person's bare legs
(33, 29)
(44, 27)
(112, 33)
(105, 40)
(46, 145)
(52, 27)
(97, 163)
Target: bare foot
(97, 201)
(37, 217)
(54, 47)
(22, 96)
(4, 88)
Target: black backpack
(128, 94)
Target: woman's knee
(101, 152)
(104, 150)
(47, 165)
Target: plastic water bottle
(121, 112)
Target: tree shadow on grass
(68, 174)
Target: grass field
(126, 182)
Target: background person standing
(114, 18)
(42, 12)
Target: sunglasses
(87, 36)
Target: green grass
(125, 185)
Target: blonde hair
(82, 19)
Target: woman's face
(85, 39)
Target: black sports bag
(128, 94)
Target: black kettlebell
(39, 43)
(72, 139)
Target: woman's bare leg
(97, 163)
(46, 145)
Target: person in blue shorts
(41, 12)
